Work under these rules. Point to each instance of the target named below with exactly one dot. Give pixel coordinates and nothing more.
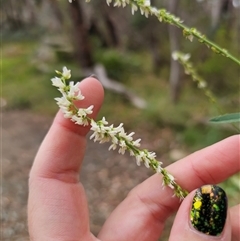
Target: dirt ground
(106, 176)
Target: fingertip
(93, 91)
(92, 88)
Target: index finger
(57, 205)
(63, 148)
(143, 213)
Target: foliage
(23, 86)
(227, 118)
(119, 64)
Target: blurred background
(144, 89)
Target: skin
(57, 205)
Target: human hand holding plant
(57, 203)
(104, 133)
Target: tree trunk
(110, 26)
(175, 68)
(81, 36)
(103, 24)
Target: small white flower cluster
(146, 9)
(144, 5)
(104, 133)
(119, 138)
(189, 70)
(70, 93)
(117, 135)
(176, 55)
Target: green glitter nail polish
(209, 210)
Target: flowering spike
(102, 132)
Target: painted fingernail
(209, 210)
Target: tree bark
(110, 26)
(82, 42)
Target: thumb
(203, 216)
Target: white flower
(186, 57)
(84, 112)
(57, 82)
(66, 72)
(108, 2)
(70, 1)
(160, 18)
(63, 101)
(170, 177)
(134, 8)
(151, 155)
(67, 113)
(73, 88)
(202, 84)
(139, 157)
(103, 121)
(144, 11)
(136, 143)
(124, 135)
(74, 92)
(159, 168)
(96, 130)
(190, 37)
(81, 117)
(114, 143)
(79, 120)
(100, 132)
(123, 147)
(171, 186)
(154, 11)
(169, 180)
(147, 3)
(118, 3)
(119, 129)
(175, 55)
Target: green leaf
(228, 118)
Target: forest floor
(106, 176)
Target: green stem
(202, 39)
(169, 18)
(189, 69)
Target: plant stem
(202, 39)
(169, 18)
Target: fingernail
(209, 210)
(94, 76)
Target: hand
(58, 209)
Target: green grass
(22, 85)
